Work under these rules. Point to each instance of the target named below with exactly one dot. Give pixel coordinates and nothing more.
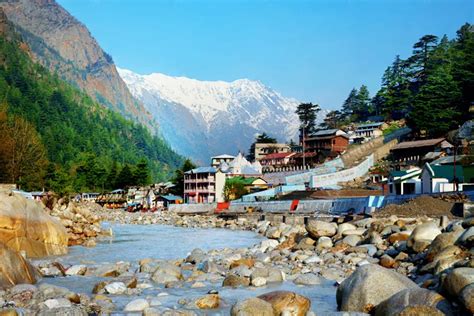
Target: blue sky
(314, 51)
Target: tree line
(433, 88)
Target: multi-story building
(203, 185)
(206, 184)
(329, 142)
(370, 130)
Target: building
(206, 184)
(412, 152)
(203, 185)
(447, 178)
(217, 160)
(370, 130)
(276, 160)
(328, 143)
(166, 200)
(404, 182)
(263, 149)
(250, 185)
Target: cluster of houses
(206, 184)
(428, 166)
(154, 197)
(315, 148)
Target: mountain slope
(213, 116)
(65, 46)
(85, 143)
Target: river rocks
(466, 297)
(252, 307)
(115, 288)
(79, 269)
(258, 281)
(268, 244)
(208, 301)
(248, 262)
(235, 281)
(352, 240)
(57, 303)
(324, 243)
(368, 286)
(414, 301)
(166, 272)
(318, 229)
(81, 220)
(456, 280)
(307, 279)
(14, 268)
(196, 256)
(27, 227)
(287, 303)
(422, 236)
(137, 305)
(467, 237)
(441, 242)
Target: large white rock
(268, 244)
(137, 305)
(115, 288)
(79, 269)
(423, 235)
(318, 229)
(57, 303)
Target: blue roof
(171, 197)
(202, 170)
(377, 124)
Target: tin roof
(418, 143)
(202, 170)
(376, 124)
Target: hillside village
(398, 166)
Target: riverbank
(435, 253)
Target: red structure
(328, 143)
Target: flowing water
(135, 242)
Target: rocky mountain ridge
(204, 118)
(64, 45)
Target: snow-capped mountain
(204, 118)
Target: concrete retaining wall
(192, 208)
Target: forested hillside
(433, 88)
(56, 137)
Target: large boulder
(369, 285)
(14, 269)
(418, 301)
(422, 236)
(318, 229)
(287, 303)
(456, 280)
(252, 307)
(441, 242)
(25, 226)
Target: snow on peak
(206, 98)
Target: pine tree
(434, 108)
(307, 113)
(350, 104)
(142, 173)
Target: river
(132, 243)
